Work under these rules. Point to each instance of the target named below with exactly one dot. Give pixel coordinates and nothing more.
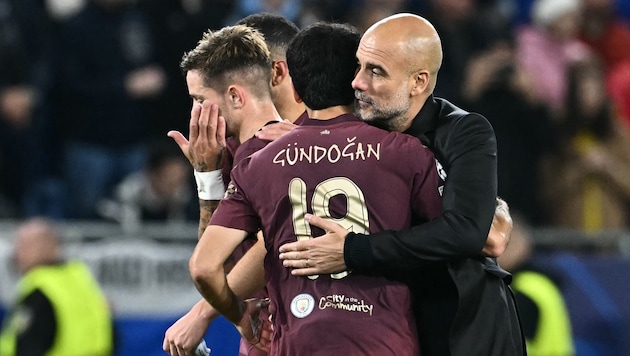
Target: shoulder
(455, 119)
(409, 148)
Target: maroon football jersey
(365, 179)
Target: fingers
(264, 303)
(265, 336)
(166, 346)
(502, 212)
(324, 224)
(179, 139)
(193, 127)
(221, 131)
(173, 349)
(274, 131)
(293, 247)
(209, 120)
(204, 118)
(300, 262)
(502, 206)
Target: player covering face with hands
(186, 333)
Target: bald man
(60, 309)
(463, 304)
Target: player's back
(367, 180)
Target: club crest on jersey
(302, 305)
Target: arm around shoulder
(466, 148)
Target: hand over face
(207, 138)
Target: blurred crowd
(89, 88)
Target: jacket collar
(426, 120)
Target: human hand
(253, 329)
(320, 255)
(207, 137)
(266, 334)
(500, 230)
(185, 334)
(274, 131)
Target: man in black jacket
(463, 302)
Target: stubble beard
(390, 119)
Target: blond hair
(234, 54)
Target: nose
(358, 83)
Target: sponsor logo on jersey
(302, 305)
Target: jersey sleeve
(235, 210)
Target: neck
(330, 113)
(414, 110)
(256, 117)
(291, 111)
(284, 100)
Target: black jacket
(463, 303)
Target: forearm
(203, 310)
(207, 269)
(206, 208)
(248, 275)
(215, 290)
(244, 280)
(408, 249)
(461, 231)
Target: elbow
(476, 243)
(202, 271)
(471, 237)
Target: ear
(296, 96)
(420, 82)
(279, 71)
(236, 96)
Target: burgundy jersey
(234, 154)
(238, 153)
(301, 118)
(365, 179)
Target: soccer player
(229, 72)
(204, 149)
(335, 166)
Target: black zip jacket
(462, 301)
